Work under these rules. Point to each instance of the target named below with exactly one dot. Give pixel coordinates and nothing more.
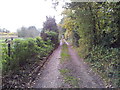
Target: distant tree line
(28, 32)
(4, 30)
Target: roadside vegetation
(94, 29)
(106, 62)
(22, 51)
(25, 56)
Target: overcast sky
(17, 13)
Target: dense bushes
(107, 62)
(50, 35)
(23, 50)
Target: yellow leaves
(68, 34)
(60, 25)
(68, 24)
(66, 12)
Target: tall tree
(50, 31)
(50, 24)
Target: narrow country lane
(50, 77)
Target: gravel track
(50, 76)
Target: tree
(96, 23)
(50, 24)
(50, 31)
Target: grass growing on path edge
(64, 54)
(73, 81)
(66, 73)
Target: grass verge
(66, 73)
(73, 81)
(64, 54)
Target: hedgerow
(22, 50)
(106, 61)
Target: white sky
(17, 13)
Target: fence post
(9, 48)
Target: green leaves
(106, 61)
(23, 50)
(94, 27)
